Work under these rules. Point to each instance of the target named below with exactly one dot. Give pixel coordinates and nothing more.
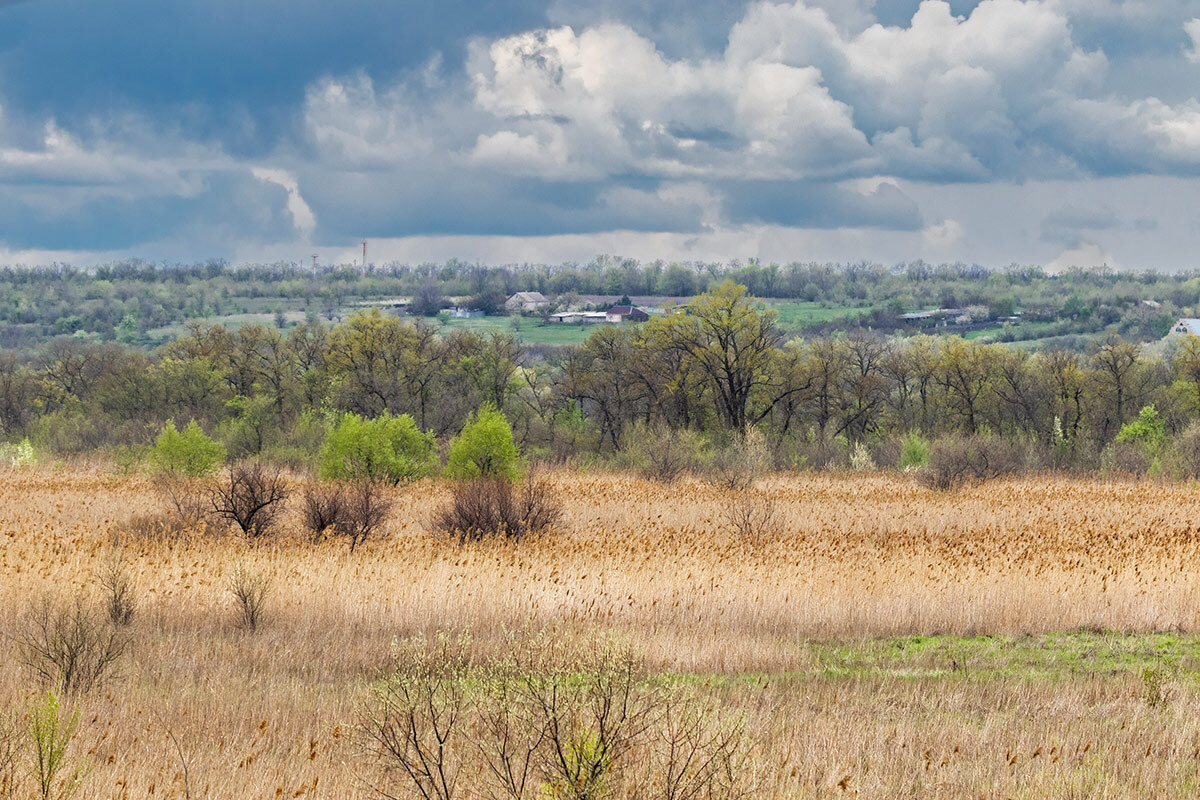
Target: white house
(578, 318)
(1191, 326)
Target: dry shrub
(957, 459)
(119, 595)
(555, 718)
(250, 592)
(752, 516)
(1183, 458)
(10, 755)
(1127, 458)
(250, 496)
(324, 509)
(69, 647)
(662, 453)
(494, 507)
(188, 511)
(354, 511)
(415, 727)
(739, 464)
(187, 502)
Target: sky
(1052, 132)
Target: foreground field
(885, 639)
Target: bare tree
(69, 647)
(250, 496)
(416, 728)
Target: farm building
(526, 301)
(577, 318)
(626, 314)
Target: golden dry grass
(268, 715)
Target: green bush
(190, 454)
(18, 455)
(1149, 431)
(915, 452)
(484, 449)
(386, 448)
(255, 428)
(51, 729)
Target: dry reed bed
(857, 555)
(266, 715)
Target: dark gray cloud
(228, 206)
(1069, 224)
(818, 205)
(276, 121)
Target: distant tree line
(125, 301)
(719, 368)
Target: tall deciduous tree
(732, 337)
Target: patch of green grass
(527, 331)
(1049, 656)
(799, 314)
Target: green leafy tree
(127, 330)
(255, 427)
(1148, 430)
(386, 448)
(190, 454)
(732, 339)
(484, 449)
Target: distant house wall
(526, 302)
(626, 313)
(1191, 326)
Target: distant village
(536, 303)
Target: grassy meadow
(1021, 638)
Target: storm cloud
(225, 129)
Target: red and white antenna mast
(364, 261)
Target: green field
(529, 330)
(797, 315)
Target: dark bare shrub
(698, 753)
(69, 647)
(368, 508)
(752, 516)
(324, 509)
(251, 496)
(250, 591)
(555, 718)
(494, 507)
(354, 511)
(119, 596)
(415, 728)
